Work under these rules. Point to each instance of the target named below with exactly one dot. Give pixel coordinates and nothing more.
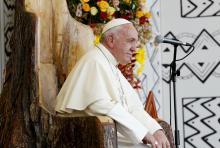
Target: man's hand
(150, 139)
(157, 140)
(161, 139)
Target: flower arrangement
(95, 13)
(98, 12)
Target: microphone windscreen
(159, 39)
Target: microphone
(160, 39)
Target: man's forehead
(130, 31)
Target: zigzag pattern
(205, 45)
(204, 138)
(9, 8)
(9, 4)
(154, 60)
(144, 79)
(7, 34)
(202, 78)
(196, 131)
(200, 8)
(202, 127)
(155, 14)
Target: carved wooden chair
(51, 37)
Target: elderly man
(96, 87)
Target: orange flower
(127, 1)
(86, 7)
(84, 1)
(142, 1)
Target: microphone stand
(175, 73)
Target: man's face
(125, 44)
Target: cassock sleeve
(142, 116)
(126, 124)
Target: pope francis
(96, 86)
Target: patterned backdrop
(7, 25)
(197, 87)
(200, 118)
(9, 7)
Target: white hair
(115, 31)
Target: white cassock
(96, 86)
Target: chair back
(60, 42)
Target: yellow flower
(139, 57)
(110, 11)
(103, 5)
(127, 1)
(97, 39)
(147, 14)
(140, 69)
(84, 1)
(142, 1)
(93, 11)
(139, 13)
(86, 7)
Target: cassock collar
(108, 54)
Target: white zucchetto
(114, 23)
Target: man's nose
(134, 48)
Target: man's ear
(110, 40)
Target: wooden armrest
(105, 119)
(167, 130)
(110, 131)
(88, 131)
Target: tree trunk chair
(42, 51)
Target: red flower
(142, 20)
(125, 17)
(92, 25)
(103, 15)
